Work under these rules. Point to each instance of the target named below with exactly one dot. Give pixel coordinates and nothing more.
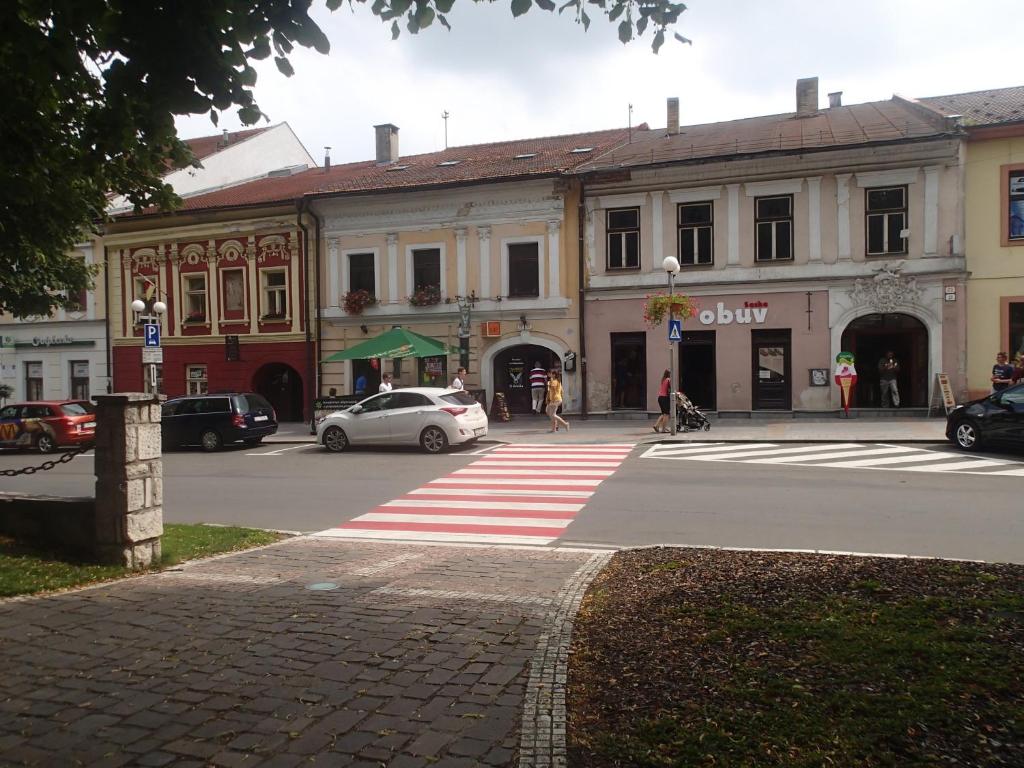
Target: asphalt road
(647, 501)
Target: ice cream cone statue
(846, 377)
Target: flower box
(426, 296)
(356, 301)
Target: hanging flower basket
(657, 307)
(426, 296)
(357, 301)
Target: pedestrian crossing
(879, 456)
(516, 494)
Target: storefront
(54, 361)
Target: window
(459, 398)
(146, 288)
(195, 298)
(696, 233)
(234, 292)
(426, 268)
(624, 238)
(523, 271)
(79, 370)
(360, 273)
(432, 371)
(34, 381)
(1016, 313)
(275, 293)
(196, 381)
(886, 214)
(409, 400)
(774, 228)
(78, 300)
(1015, 209)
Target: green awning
(398, 342)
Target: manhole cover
(322, 586)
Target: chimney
(387, 143)
(807, 96)
(673, 116)
(224, 138)
(327, 159)
(835, 99)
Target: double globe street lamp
(671, 267)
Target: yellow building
(994, 225)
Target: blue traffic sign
(151, 334)
(675, 330)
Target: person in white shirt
(538, 384)
(459, 382)
(385, 384)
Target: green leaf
(444, 22)
(659, 38)
(641, 26)
(625, 31)
(395, 31)
(424, 16)
(444, 6)
(616, 12)
(519, 7)
(545, 5)
(682, 39)
(333, 5)
(284, 66)
(585, 20)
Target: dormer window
(448, 162)
(393, 168)
(525, 156)
(581, 150)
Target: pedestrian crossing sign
(675, 330)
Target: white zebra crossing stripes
(521, 494)
(878, 456)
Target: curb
(803, 440)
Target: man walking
(1002, 373)
(538, 384)
(385, 384)
(888, 369)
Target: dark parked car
(998, 418)
(212, 421)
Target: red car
(47, 424)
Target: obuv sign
(750, 312)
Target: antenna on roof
(444, 116)
(629, 123)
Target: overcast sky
(502, 78)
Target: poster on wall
(516, 373)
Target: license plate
(260, 418)
(479, 432)
(89, 425)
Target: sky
(501, 78)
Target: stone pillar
(129, 479)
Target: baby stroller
(689, 416)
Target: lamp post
(671, 267)
(149, 309)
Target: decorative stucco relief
(886, 291)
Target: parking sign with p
(151, 334)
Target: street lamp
(671, 267)
(149, 309)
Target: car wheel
(253, 441)
(966, 435)
(433, 440)
(210, 440)
(45, 444)
(335, 439)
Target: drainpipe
(319, 312)
(106, 315)
(305, 303)
(581, 272)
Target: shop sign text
(750, 312)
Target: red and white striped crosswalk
(517, 494)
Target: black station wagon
(212, 421)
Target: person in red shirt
(663, 402)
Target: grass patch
(25, 569)
(795, 660)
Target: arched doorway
(282, 386)
(512, 373)
(869, 338)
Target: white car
(428, 416)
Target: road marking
(279, 451)
(482, 450)
(783, 452)
(507, 498)
(829, 455)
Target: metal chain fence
(62, 459)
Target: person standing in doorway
(1018, 369)
(459, 382)
(888, 370)
(1002, 373)
(538, 383)
(361, 384)
(663, 402)
(385, 383)
(554, 392)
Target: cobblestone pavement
(408, 656)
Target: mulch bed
(691, 657)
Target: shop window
(195, 298)
(1016, 345)
(623, 225)
(275, 293)
(773, 217)
(433, 371)
(1014, 226)
(886, 220)
(523, 270)
(234, 293)
(361, 275)
(196, 382)
(426, 268)
(33, 380)
(79, 388)
(696, 233)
